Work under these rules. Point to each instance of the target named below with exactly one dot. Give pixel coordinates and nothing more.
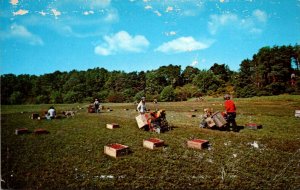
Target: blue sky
(44, 36)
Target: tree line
(267, 73)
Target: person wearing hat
(96, 105)
(230, 112)
(141, 108)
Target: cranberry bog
(71, 155)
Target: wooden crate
(112, 125)
(192, 115)
(197, 144)
(219, 119)
(34, 116)
(21, 131)
(91, 110)
(153, 143)
(297, 113)
(141, 120)
(40, 131)
(115, 150)
(253, 126)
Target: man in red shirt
(230, 111)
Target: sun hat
(226, 97)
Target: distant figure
(199, 99)
(142, 106)
(293, 79)
(51, 114)
(230, 112)
(155, 102)
(96, 105)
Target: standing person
(96, 105)
(142, 106)
(51, 114)
(230, 112)
(293, 79)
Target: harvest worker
(96, 105)
(51, 114)
(207, 113)
(230, 112)
(293, 79)
(142, 106)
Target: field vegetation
(71, 156)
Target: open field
(71, 155)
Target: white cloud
(169, 9)
(148, 7)
(157, 13)
(84, 4)
(21, 33)
(190, 13)
(99, 4)
(112, 16)
(121, 42)
(20, 12)
(223, 19)
(260, 15)
(256, 31)
(88, 12)
(55, 12)
(79, 24)
(182, 44)
(14, 2)
(42, 13)
(218, 22)
(194, 63)
(103, 51)
(171, 33)
(69, 31)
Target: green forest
(267, 73)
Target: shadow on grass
(239, 128)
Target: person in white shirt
(142, 106)
(96, 105)
(293, 79)
(51, 113)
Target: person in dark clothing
(96, 105)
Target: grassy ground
(71, 155)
